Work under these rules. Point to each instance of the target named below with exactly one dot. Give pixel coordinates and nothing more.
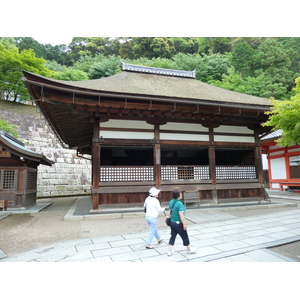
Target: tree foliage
(260, 66)
(12, 62)
(10, 129)
(71, 75)
(285, 115)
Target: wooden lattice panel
(113, 174)
(235, 172)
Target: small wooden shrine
(18, 172)
(283, 163)
(149, 127)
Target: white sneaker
(170, 252)
(192, 250)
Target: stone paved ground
(220, 236)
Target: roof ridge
(157, 71)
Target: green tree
(71, 75)
(85, 62)
(151, 47)
(59, 53)
(274, 63)
(8, 42)
(243, 59)
(10, 129)
(285, 115)
(256, 86)
(292, 45)
(208, 67)
(154, 62)
(11, 65)
(90, 46)
(187, 45)
(26, 43)
(54, 66)
(106, 67)
(126, 51)
(254, 42)
(209, 45)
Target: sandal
(159, 241)
(149, 247)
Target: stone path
(219, 237)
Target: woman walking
(153, 208)
(178, 223)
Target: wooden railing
(169, 173)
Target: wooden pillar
(258, 163)
(95, 164)
(258, 158)
(212, 165)
(157, 157)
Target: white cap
(153, 192)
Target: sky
(57, 23)
(53, 39)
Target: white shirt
(153, 207)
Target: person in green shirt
(178, 223)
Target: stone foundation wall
(70, 174)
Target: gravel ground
(24, 232)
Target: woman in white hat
(152, 208)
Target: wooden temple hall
(148, 127)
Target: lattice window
(31, 180)
(201, 172)
(184, 172)
(235, 172)
(8, 182)
(113, 174)
(169, 173)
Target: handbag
(168, 218)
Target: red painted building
(283, 163)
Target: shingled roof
(162, 83)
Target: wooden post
(157, 157)
(258, 163)
(95, 164)
(212, 165)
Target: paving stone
(133, 256)
(231, 245)
(258, 240)
(2, 254)
(240, 258)
(264, 256)
(111, 251)
(90, 247)
(127, 242)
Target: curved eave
(21, 151)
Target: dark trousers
(178, 229)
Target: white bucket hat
(154, 191)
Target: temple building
(148, 127)
(283, 163)
(18, 172)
